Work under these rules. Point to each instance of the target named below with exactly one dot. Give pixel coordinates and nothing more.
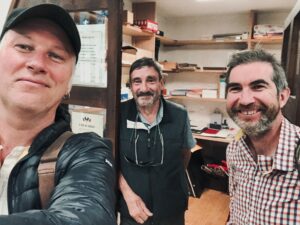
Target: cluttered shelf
(218, 135)
(276, 40)
(197, 71)
(221, 100)
(171, 42)
(136, 31)
(216, 139)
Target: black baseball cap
(48, 11)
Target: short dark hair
(145, 61)
(259, 55)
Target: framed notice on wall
(91, 69)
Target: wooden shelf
(278, 40)
(213, 72)
(196, 99)
(126, 65)
(216, 139)
(196, 148)
(172, 42)
(166, 40)
(136, 31)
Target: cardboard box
(88, 120)
(127, 17)
(169, 66)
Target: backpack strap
(297, 158)
(46, 169)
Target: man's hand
(136, 206)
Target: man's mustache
(148, 93)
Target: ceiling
(180, 8)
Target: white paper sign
(91, 68)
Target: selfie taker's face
(252, 98)
(36, 65)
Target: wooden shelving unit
(216, 139)
(244, 43)
(171, 42)
(212, 72)
(277, 40)
(136, 31)
(219, 100)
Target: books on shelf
(231, 36)
(187, 67)
(168, 66)
(178, 92)
(194, 93)
(209, 132)
(222, 68)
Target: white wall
(193, 28)
(4, 6)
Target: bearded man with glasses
(155, 144)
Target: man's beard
(146, 102)
(255, 128)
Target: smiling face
(36, 64)
(252, 98)
(146, 87)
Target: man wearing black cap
(39, 48)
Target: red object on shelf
(210, 131)
(147, 25)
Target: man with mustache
(155, 143)
(264, 182)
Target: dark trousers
(175, 220)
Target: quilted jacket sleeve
(85, 187)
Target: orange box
(169, 66)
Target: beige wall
(4, 8)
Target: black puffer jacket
(85, 182)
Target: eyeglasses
(150, 163)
